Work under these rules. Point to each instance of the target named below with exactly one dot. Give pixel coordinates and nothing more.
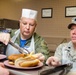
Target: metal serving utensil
(21, 50)
(61, 70)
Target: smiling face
(27, 27)
(73, 33)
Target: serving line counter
(38, 70)
(27, 72)
(32, 70)
(35, 71)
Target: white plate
(6, 63)
(2, 56)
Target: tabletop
(35, 71)
(27, 72)
(32, 71)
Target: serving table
(26, 72)
(35, 71)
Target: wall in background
(47, 27)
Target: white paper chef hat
(28, 13)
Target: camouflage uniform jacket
(66, 54)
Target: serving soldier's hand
(3, 70)
(1, 65)
(4, 38)
(40, 56)
(53, 61)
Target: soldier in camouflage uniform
(66, 52)
(25, 37)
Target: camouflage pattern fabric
(40, 44)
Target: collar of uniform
(69, 46)
(28, 40)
